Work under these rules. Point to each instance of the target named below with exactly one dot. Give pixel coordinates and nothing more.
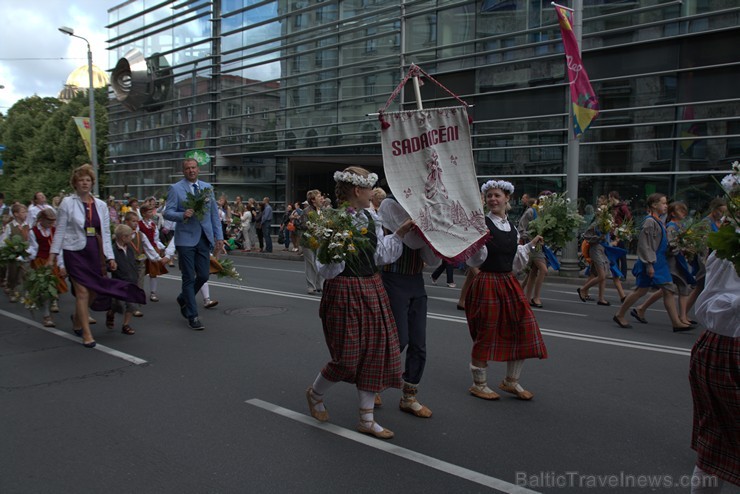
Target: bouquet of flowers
(626, 231)
(691, 239)
(335, 235)
(557, 220)
(40, 286)
(604, 219)
(13, 248)
(224, 268)
(198, 202)
(726, 241)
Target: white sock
(367, 402)
(319, 387)
(205, 291)
(704, 483)
(153, 285)
(513, 371)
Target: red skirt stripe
(360, 333)
(715, 388)
(501, 323)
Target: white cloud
(35, 58)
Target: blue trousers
(194, 266)
(268, 238)
(409, 306)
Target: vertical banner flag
(83, 125)
(428, 162)
(582, 96)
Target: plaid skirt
(501, 323)
(715, 388)
(360, 333)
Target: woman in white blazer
(83, 242)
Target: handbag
(291, 226)
(281, 237)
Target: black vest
(501, 247)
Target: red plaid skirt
(361, 333)
(501, 323)
(715, 388)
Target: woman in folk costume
(148, 226)
(83, 239)
(651, 268)
(500, 319)
(355, 311)
(40, 239)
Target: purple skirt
(84, 267)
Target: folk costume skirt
(360, 333)
(85, 267)
(501, 322)
(715, 388)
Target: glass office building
(278, 92)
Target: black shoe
(677, 329)
(195, 324)
(534, 304)
(606, 302)
(636, 315)
(183, 306)
(90, 344)
(625, 326)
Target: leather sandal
(484, 392)
(364, 429)
(378, 401)
(636, 315)
(110, 319)
(412, 406)
(126, 329)
(321, 416)
(509, 386)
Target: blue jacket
(188, 234)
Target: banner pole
(417, 89)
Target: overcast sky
(35, 58)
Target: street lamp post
(91, 95)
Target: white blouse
(718, 306)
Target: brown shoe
(48, 323)
(126, 329)
(510, 387)
(378, 400)
(412, 406)
(367, 426)
(321, 416)
(138, 313)
(483, 392)
(110, 319)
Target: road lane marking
(390, 448)
(76, 339)
(533, 308)
(462, 320)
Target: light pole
(91, 95)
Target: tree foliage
(43, 144)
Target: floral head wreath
(354, 179)
(507, 187)
(731, 182)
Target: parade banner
(582, 96)
(83, 125)
(428, 162)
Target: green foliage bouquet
(691, 238)
(40, 286)
(225, 268)
(13, 248)
(557, 220)
(198, 202)
(626, 231)
(335, 235)
(726, 241)
(604, 219)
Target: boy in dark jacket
(127, 270)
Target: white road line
(67, 336)
(390, 448)
(462, 320)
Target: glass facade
(278, 92)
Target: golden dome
(81, 79)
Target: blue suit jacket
(188, 234)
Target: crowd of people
(373, 309)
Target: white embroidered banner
(428, 162)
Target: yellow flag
(83, 125)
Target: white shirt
(392, 216)
(718, 306)
(522, 251)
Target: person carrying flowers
(500, 319)
(39, 246)
(359, 328)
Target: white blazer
(70, 234)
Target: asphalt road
(224, 410)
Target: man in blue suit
(194, 239)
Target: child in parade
(148, 226)
(603, 258)
(17, 226)
(144, 252)
(40, 239)
(127, 271)
(500, 319)
(651, 268)
(359, 328)
(538, 259)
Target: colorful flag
(83, 125)
(582, 96)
